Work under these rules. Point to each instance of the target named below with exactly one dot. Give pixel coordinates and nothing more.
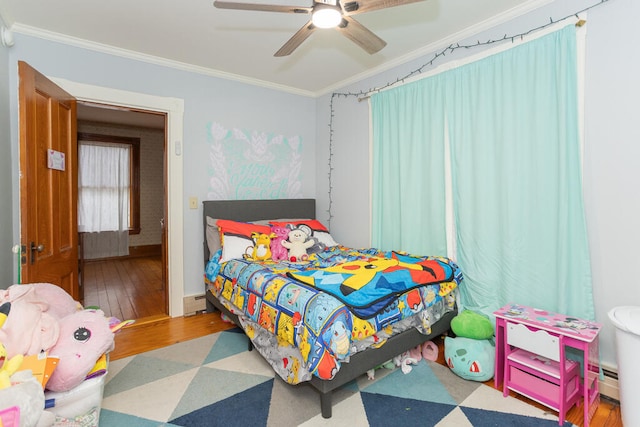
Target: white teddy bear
(298, 244)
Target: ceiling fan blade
(297, 39)
(360, 6)
(261, 7)
(360, 35)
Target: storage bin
(78, 401)
(626, 319)
(540, 379)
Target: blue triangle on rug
(232, 411)
(111, 418)
(406, 412)
(397, 384)
(228, 344)
(484, 418)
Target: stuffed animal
(470, 359)
(261, 250)
(470, 324)
(278, 251)
(53, 299)
(7, 366)
(84, 337)
(317, 245)
(33, 323)
(408, 358)
(44, 317)
(298, 244)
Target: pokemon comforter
(308, 318)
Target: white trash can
(626, 319)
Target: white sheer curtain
(103, 198)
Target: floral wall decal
(253, 164)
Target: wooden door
(48, 190)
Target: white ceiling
(194, 35)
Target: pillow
(319, 230)
(236, 237)
(212, 235)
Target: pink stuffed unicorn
(279, 252)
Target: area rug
(216, 381)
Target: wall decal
(253, 164)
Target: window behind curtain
(512, 123)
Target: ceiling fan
(326, 14)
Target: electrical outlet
(193, 203)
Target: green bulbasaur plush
(470, 324)
(470, 359)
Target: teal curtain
(512, 123)
(408, 203)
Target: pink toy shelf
(531, 360)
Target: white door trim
(174, 108)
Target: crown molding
(156, 60)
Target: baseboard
(609, 385)
(145, 250)
(194, 304)
(134, 252)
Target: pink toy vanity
(531, 358)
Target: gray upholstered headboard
(254, 210)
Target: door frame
(174, 109)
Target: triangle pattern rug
(216, 381)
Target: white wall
(612, 148)
(206, 99)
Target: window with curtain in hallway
(107, 194)
(103, 187)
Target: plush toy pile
(42, 319)
(293, 242)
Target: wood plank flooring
(150, 335)
(126, 288)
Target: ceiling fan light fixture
(326, 17)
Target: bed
(278, 304)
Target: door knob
(35, 249)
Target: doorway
(174, 110)
(127, 280)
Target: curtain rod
(579, 23)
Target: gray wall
(612, 149)
(6, 229)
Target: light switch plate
(193, 203)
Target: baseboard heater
(194, 304)
(609, 385)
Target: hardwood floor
(149, 335)
(126, 288)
